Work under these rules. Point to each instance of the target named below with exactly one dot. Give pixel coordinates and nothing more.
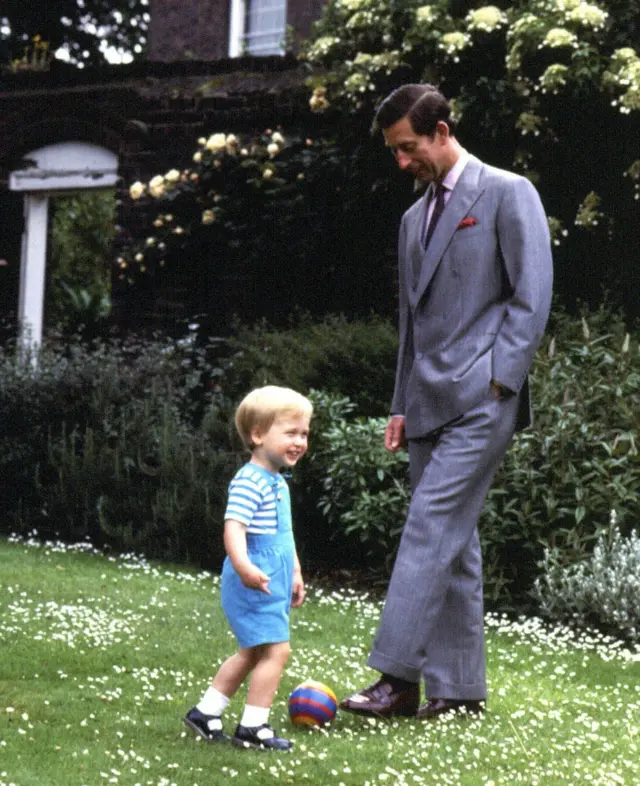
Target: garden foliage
(131, 443)
(600, 591)
(261, 224)
(258, 222)
(82, 232)
(533, 84)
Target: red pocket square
(469, 221)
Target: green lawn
(101, 656)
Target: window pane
(265, 27)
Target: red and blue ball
(312, 704)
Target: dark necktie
(437, 212)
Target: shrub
(364, 487)
(561, 477)
(100, 441)
(356, 359)
(601, 591)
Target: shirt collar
(453, 175)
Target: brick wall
(199, 29)
(189, 30)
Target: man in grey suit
(475, 275)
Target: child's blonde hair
(262, 406)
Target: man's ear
(442, 129)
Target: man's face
(423, 156)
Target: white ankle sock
(213, 702)
(254, 716)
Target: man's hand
(298, 594)
(394, 434)
(500, 391)
(253, 578)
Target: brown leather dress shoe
(380, 700)
(434, 708)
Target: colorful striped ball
(312, 704)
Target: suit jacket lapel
(466, 192)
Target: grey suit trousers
(432, 622)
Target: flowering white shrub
(559, 36)
(487, 19)
(453, 43)
(554, 78)
(588, 15)
(623, 75)
(426, 14)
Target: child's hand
(298, 594)
(253, 578)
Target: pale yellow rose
(137, 189)
(277, 138)
(139, 257)
(273, 149)
(216, 142)
(268, 173)
(197, 157)
(172, 176)
(156, 186)
(208, 216)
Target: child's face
(283, 444)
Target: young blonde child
(261, 575)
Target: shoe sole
(457, 712)
(254, 746)
(222, 737)
(372, 714)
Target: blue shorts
(255, 617)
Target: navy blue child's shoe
(209, 727)
(263, 737)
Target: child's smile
(283, 444)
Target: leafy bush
(356, 359)
(101, 442)
(601, 591)
(132, 443)
(580, 459)
(365, 487)
(559, 478)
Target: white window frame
(237, 24)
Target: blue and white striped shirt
(252, 499)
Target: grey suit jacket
(480, 305)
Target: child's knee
(286, 651)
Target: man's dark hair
(424, 105)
